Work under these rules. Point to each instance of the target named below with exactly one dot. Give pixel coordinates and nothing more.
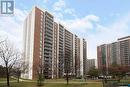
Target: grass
(34, 84)
(53, 83)
(4, 79)
(125, 81)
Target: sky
(98, 21)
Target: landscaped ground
(54, 83)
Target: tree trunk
(7, 75)
(103, 83)
(18, 79)
(119, 80)
(18, 75)
(67, 78)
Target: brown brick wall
(36, 54)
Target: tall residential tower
(51, 46)
(114, 53)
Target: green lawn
(4, 79)
(33, 84)
(55, 83)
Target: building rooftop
(124, 38)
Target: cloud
(12, 27)
(77, 25)
(95, 32)
(70, 11)
(84, 23)
(59, 5)
(45, 1)
(107, 34)
(115, 30)
(20, 14)
(81, 25)
(59, 16)
(61, 8)
(90, 26)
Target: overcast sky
(98, 21)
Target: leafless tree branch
(9, 55)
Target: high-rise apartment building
(81, 57)
(107, 54)
(61, 51)
(49, 45)
(74, 54)
(102, 56)
(90, 63)
(124, 50)
(55, 60)
(77, 58)
(114, 53)
(68, 57)
(38, 42)
(33, 42)
(84, 57)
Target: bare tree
(67, 77)
(40, 75)
(20, 67)
(2, 72)
(67, 67)
(9, 55)
(1, 41)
